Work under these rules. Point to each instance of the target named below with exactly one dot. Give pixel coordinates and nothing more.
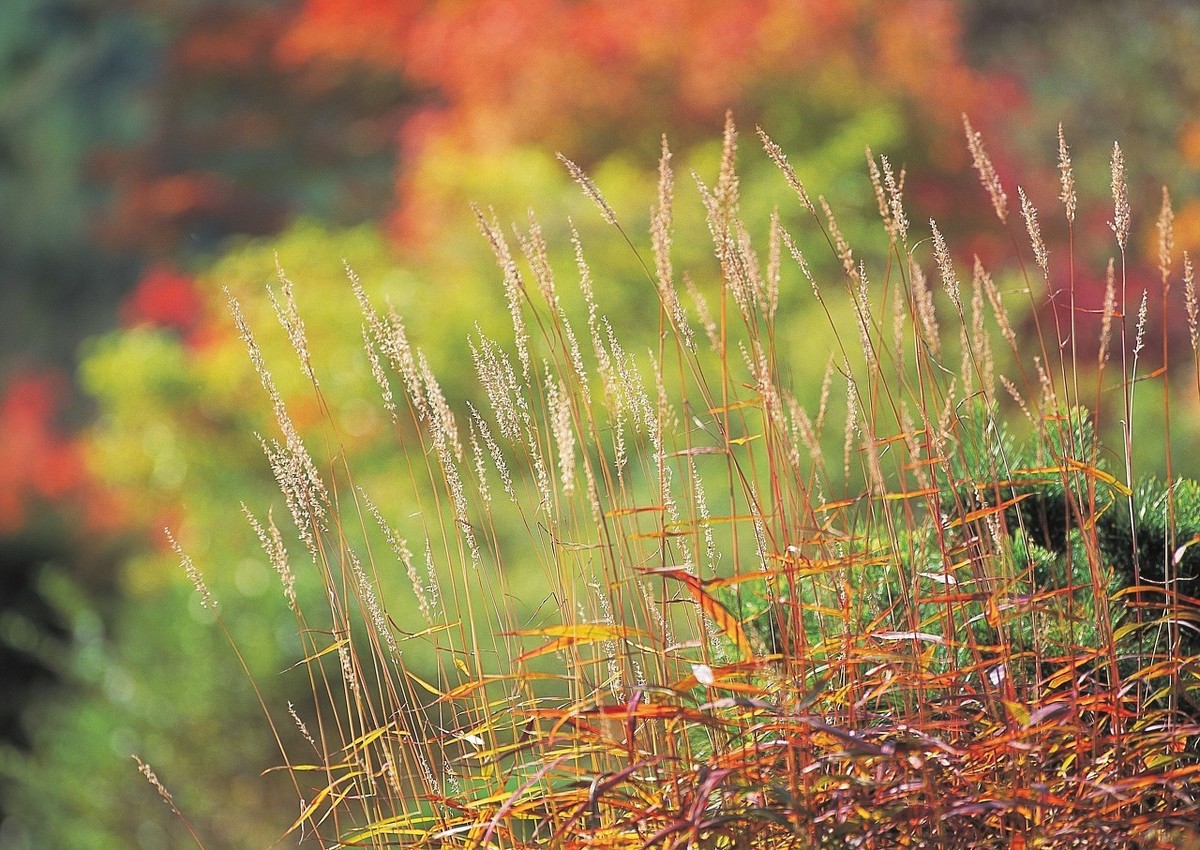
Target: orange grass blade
(468, 688)
(833, 506)
(362, 741)
(1079, 466)
(991, 510)
(725, 621)
(721, 680)
(643, 509)
(398, 826)
(584, 632)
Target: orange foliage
(1189, 143)
(371, 31)
(1187, 229)
(529, 69)
(583, 75)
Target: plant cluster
(660, 603)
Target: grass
(661, 604)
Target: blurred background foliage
(153, 153)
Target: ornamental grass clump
(660, 602)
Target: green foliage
(1165, 521)
(70, 80)
(1047, 496)
(176, 440)
(161, 679)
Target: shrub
(658, 603)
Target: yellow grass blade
(570, 635)
(312, 807)
(424, 684)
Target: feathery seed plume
(302, 726)
(660, 240)
(852, 430)
(926, 314)
(1016, 396)
(1120, 193)
(780, 159)
(728, 192)
(702, 310)
(985, 360)
(774, 261)
(514, 288)
(534, 248)
(941, 253)
(381, 379)
(845, 254)
(290, 321)
(558, 403)
(998, 309)
(1189, 294)
(1140, 340)
(153, 779)
(272, 543)
(399, 547)
(987, 172)
(794, 250)
(480, 424)
(1067, 195)
(660, 217)
(1035, 233)
(880, 197)
(1166, 236)
(1109, 310)
(895, 189)
(590, 189)
(206, 599)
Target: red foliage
(236, 144)
(227, 42)
(39, 463)
(164, 298)
(152, 213)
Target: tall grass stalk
(665, 605)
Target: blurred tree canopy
(70, 78)
(133, 131)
